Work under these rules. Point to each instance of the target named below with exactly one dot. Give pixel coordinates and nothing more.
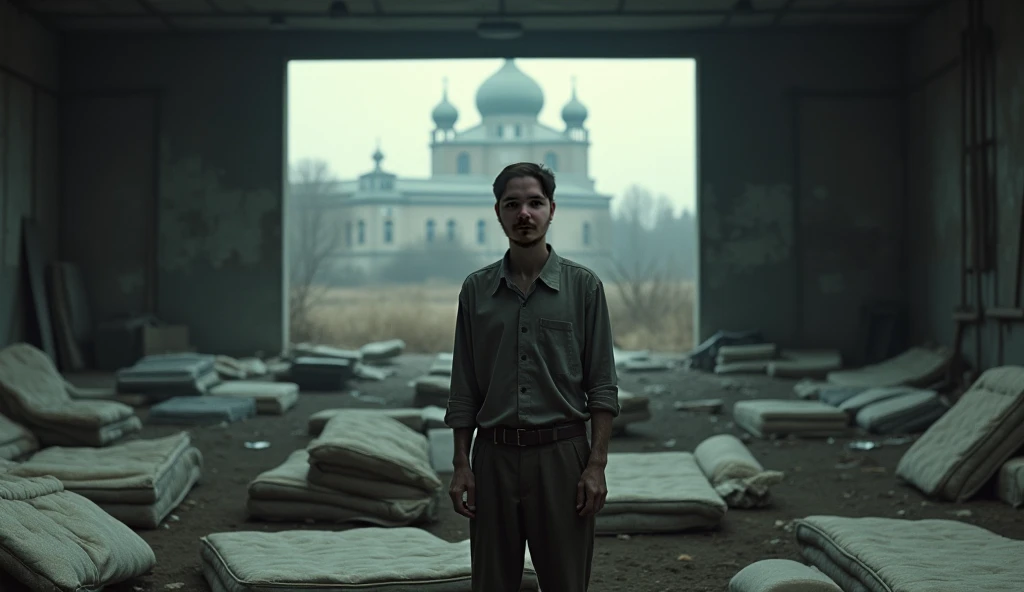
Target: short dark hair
(544, 176)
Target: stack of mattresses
(431, 389)
(54, 539)
(202, 410)
(805, 364)
(887, 554)
(363, 468)
(704, 355)
(311, 350)
(1011, 482)
(778, 417)
(965, 447)
(734, 472)
(380, 352)
(369, 559)
(15, 440)
(751, 358)
(33, 394)
(781, 575)
(163, 376)
(918, 366)
(321, 374)
(442, 365)
(633, 408)
(138, 482)
(657, 492)
(271, 398)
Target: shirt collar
(550, 274)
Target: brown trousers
(527, 495)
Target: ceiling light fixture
(500, 30)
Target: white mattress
(284, 493)
(272, 398)
(870, 396)
(376, 447)
(410, 416)
(781, 575)
(965, 447)
(382, 350)
(57, 540)
(651, 492)
(138, 482)
(431, 389)
(1011, 482)
(15, 440)
(910, 412)
(733, 471)
(365, 559)
(805, 363)
(918, 366)
(728, 354)
(766, 417)
(891, 555)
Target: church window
(586, 233)
(519, 131)
(361, 231)
(451, 230)
(462, 163)
(389, 231)
(481, 236)
(551, 161)
(348, 233)
(430, 231)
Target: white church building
(381, 214)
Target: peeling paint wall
(221, 155)
(935, 153)
(28, 155)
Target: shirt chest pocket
(557, 344)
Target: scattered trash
(175, 585)
(367, 398)
(684, 557)
(669, 443)
(962, 513)
(655, 389)
(897, 440)
(173, 518)
(775, 541)
(260, 445)
(901, 512)
(623, 537)
(863, 445)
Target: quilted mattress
(15, 440)
(892, 555)
(633, 408)
(380, 351)
(431, 389)
(918, 366)
(734, 472)
(203, 410)
(33, 394)
(657, 492)
(908, 413)
(284, 493)
(768, 417)
(1011, 482)
(138, 482)
(366, 559)
(442, 365)
(870, 396)
(410, 416)
(272, 398)
(805, 364)
(374, 447)
(52, 539)
(728, 354)
(781, 575)
(965, 447)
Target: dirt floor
(822, 477)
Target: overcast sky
(642, 115)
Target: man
(532, 364)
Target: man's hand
(463, 482)
(591, 491)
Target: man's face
(524, 211)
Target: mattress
(138, 482)
(657, 492)
(728, 354)
(781, 575)
(633, 408)
(805, 364)
(743, 367)
(441, 366)
(409, 416)
(15, 440)
(837, 395)
(312, 350)
(203, 410)
(767, 417)
(431, 390)
(890, 555)
(736, 475)
(1010, 484)
(366, 559)
(54, 539)
(866, 397)
(33, 394)
(965, 447)
(272, 398)
(284, 493)
(374, 447)
(908, 413)
(918, 366)
(380, 351)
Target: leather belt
(532, 436)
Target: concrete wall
(765, 198)
(28, 158)
(935, 175)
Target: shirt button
(523, 358)
(522, 390)
(524, 329)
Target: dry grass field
(658, 318)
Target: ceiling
(466, 15)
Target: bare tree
(640, 269)
(311, 242)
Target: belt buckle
(519, 433)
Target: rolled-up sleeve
(600, 380)
(464, 398)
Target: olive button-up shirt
(531, 360)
